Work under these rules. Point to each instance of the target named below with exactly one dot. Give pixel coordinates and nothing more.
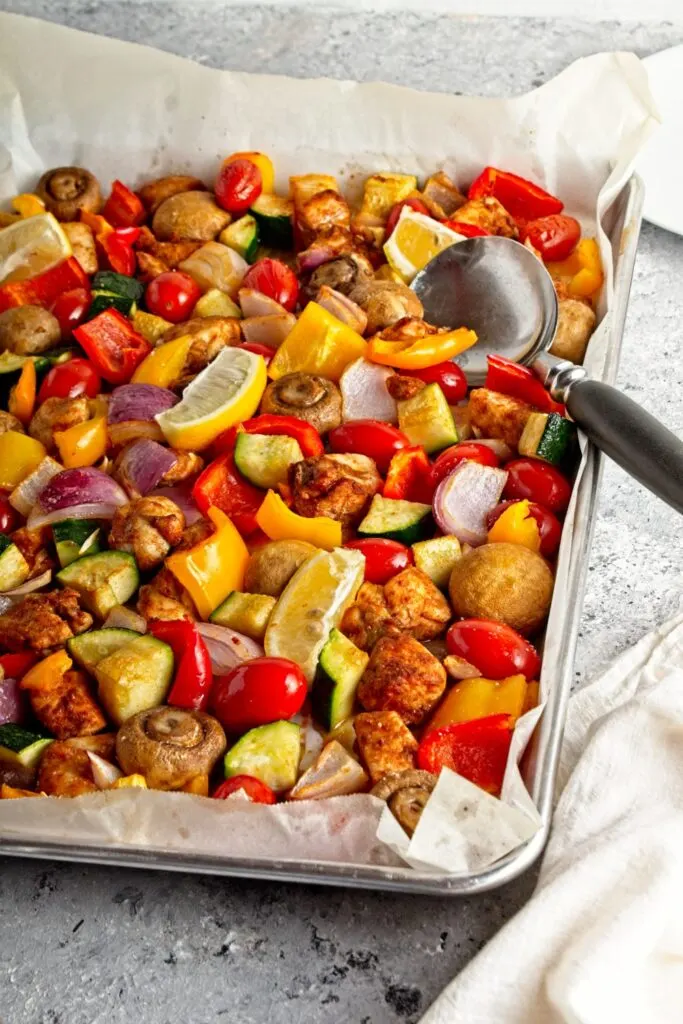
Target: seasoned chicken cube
(408, 603)
(575, 325)
(65, 770)
(402, 388)
(338, 486)
(65, 706)
(150, 267)
(57, 414)
(147, 528)
(325, 210)
(402, 676)
(33, 545)
(489, 214)
(9, 422)
(187, 465)
(164, 598)
(385, 743)
(82, 243)
(42, 621)
(169, 253)
(154, 193)
(496, 415)
(210, 334)
(442, 197)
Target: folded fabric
(601, 940)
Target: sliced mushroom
(189, 215)
(385, 302)
(169, 746)
(333, 773)
(406, 794)
(68, 190)
(306, 396)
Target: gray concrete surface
(89, 945)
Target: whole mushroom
(191, 215)
(306, 396)
(385, 302)
(68, 190)
(28, 330)
(406, 794)
(170, 746)
(342, 274)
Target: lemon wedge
(226, 392)
(30, 246)
(312, 603)
(415, 241)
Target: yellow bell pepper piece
(516, 525)
(279, 523)
(43, 675)
(130, 782)
(533, 691)
(19, 456)
(213, 568)
(582, 271)
(479, 698)
(164, 364)
(22, 398)
(199, 785)
(264, 164)
(417, 355)
(82, 445)
(318, 343)
(28, 205)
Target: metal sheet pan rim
(550, 730)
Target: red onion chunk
(464, 499)
(227, 648)
(12, 702)
(143, 464)
(182, 496)
(139, 402)
(95, 510)
(87, 486)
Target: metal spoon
(499, 289)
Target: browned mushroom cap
(385, 302)
(169, 746)
(189, 215)
(306, 396)
(68, 190)
(406, 794)
(342, 274)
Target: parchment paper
(128, 111)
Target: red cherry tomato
(392, 219)
(549, 526)
(256, 790)
(448, 376)
(539, 482)
(259, 350)
(70, 309)
(383, 558)
(257, 692)
(555, 236)
(379, 441)
(468, 230)
(497, 650)
(69, 380)
(469, 451)
(274, 279)
(238, 185)
(172, 295)
(8, 516)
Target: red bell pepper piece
(477, 750)
(223, 486)
(308, 437)
(114, 245)
(409, 476)
(43, 289)
(468, 230)
(112, 345)
(520, 382)
(15, 666)
(123, 209)
(193, 674)
(521, 198)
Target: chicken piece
(496, 415)
(170, 253)
(402, 676)
(82, 243)
(65, 770)
(9, 422)
(164, 598)
(154, 193)
(147, 528)
(188, 464)
(402, 388)
(338, 486)
(386, 303)
(195, 534)
(342, 274)
(150, 267)
(489, 214)
(65, 706)
(57, 414)
(409, 328)
(42, 621)
(325, 210)
(385, 743)
(575, 325)
(33, 545)
(211, 334)
(328, 245)
(442, 197)
(408, 603)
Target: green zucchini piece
(426, 419)
(14, 569)
(270, 753)
(103, 580)
(274, 214)
(135, 677)
(339, 672)
(74, 538)
(90, 648)
(11, 363)
(264, 458)
(437, 557)
(247, 613)
(242, 236)
(405, 521)
(118, 291)
(20, 747)
(547, 436)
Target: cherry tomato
(539, 482)
(259, 350)
(497, 650)
(383, 558)
(549, 526)
(468, 230)
(469, 451)
(379, 441)
(256, 790)
(172, 295)
(555, 236)
(69, 380)
(448, 376)
(70, 308)
(257, 692)
(274, 279)
(8, 516)
(414, 204)
(238, 185)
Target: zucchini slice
(103, 580)
(265, 458)
(547, 436)
(247, 613)
(437, 557)
(135, 677)
(426, 419)
(14, 569)
(90, 648)
(242, 236)
(273, 215)
(340, 669)
(405, 521)
(20, 747)
(270, 753)
(74, 538)
(115, 290)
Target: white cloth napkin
(601, 940)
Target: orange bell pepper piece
(82, 445)
(516, 525)
(479, 698)
(424, 352)
(531, 697)
(279, 523)
(581, 272)
(22, 398)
